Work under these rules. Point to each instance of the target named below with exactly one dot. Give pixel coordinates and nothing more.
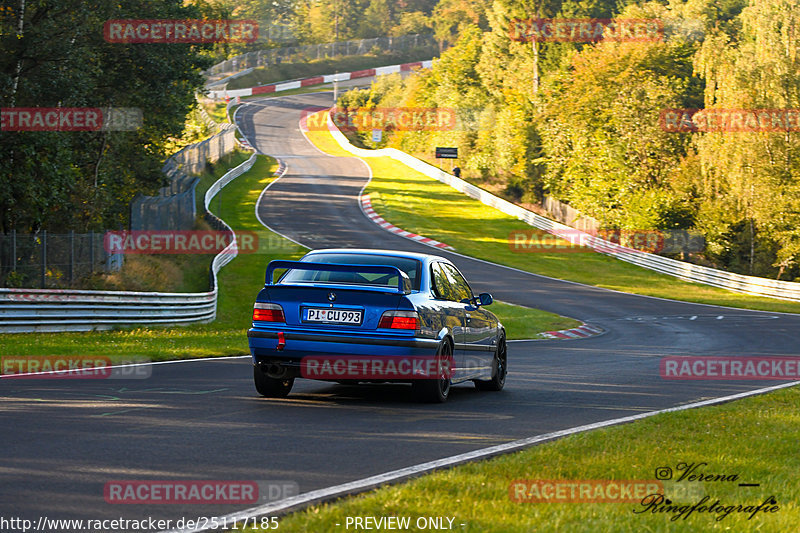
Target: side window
(440, 283)
(458, 284)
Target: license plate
(333, 316)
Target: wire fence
(175, 208)
(299, 54)
(53, 260)
(570, 216)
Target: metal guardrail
(317, 80)
(49, 310)
(785, 290)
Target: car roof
(371, 251)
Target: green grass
(213, 173)
(417, 203)
(526, 323)
(755, 438)
(291, 71)
(216, 110)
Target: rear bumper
(298, 344)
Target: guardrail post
(44, 258)
(106, 260)
(71, 256)
(91, 252)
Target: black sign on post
(446, 153)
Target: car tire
(436, 390)
(271, 387)
(499, 368)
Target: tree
(751, 178)
(452, 17)
(377, 20)
(412, 23)
(325, 21)
(607, 152)
(84, 180)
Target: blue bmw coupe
(353, 315)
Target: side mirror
(485, 298)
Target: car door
(479, 329)
(451, 310)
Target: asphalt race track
(63, 440)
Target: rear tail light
(268, 313)
(399, 320)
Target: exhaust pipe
(276, 371)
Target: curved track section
(203, 420)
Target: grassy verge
(417, 203)
(216, 110)
(291, 71)
(526, 323)
(755, 439)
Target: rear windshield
(410, 266)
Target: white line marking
(151, 363)
(361, 485)
(258, 202)
(281, 175)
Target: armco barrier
(770, 288)
(318, 80)
(27, 310)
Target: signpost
(446, 153)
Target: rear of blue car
(324, 308)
